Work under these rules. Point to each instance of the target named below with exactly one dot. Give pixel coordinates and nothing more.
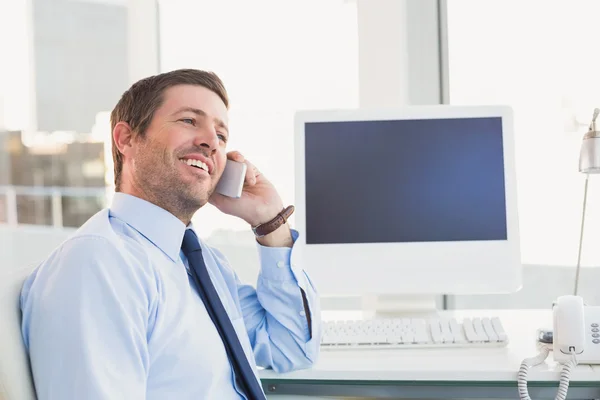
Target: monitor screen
(399, 181)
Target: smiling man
(134, 305)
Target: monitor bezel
(468, 267)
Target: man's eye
(190, 121)
(222, 137)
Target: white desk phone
(575, 339)
(576, 331)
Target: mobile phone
(232, 180)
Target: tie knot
(190, 242)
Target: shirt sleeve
(275, 315)
(85, 323)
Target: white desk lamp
(589, 163)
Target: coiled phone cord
(565, 374)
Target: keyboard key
(489, 330)
(499, 329)
(457, 332)
(446, 333)
(478, 328)
(470, 331)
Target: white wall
(24, 246)
(542, 284)
(401, 53)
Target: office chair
(16, 382)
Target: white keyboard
(413, 333)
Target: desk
(438, 373)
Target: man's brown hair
(139, 103)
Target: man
(133, 306)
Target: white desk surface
(450, 364)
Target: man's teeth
(195, 163)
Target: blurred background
(65, 63)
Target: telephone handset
(232, 180)
(576, 331)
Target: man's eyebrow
(201, 113)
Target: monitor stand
(399, 306)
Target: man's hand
(258, 204)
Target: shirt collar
(156, 224)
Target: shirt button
(303, 313)
(280, 264)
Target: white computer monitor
(409, 201)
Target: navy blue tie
(243, 371)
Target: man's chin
(199, 197)
(194, 193)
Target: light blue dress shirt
(113, 314)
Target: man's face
(179, 160)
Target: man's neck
(186, 218)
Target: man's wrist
(281, 237)
(264, 215)
(276, 231)
(273, 224)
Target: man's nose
(207, 138)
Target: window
(54, 95)
(274, 57)
(541, 58)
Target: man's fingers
(235, 156)
(251, 173)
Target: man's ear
(123, 137)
